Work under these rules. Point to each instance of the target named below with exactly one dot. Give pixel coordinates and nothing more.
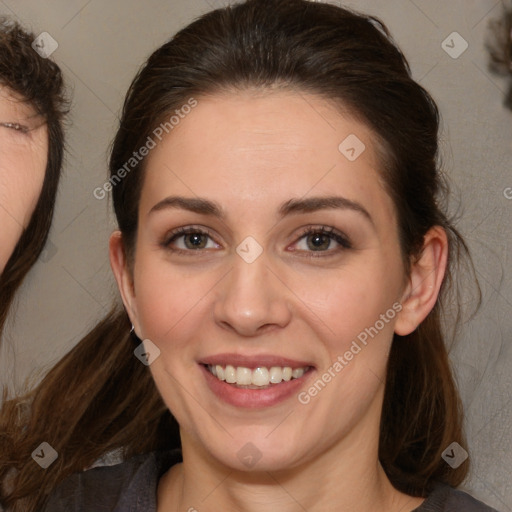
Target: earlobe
(123, 275)
(426, 278)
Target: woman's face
(267, 241)
(23, 158)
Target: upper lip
(246, 361)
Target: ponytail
(97, 399)
(421, 412)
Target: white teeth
(219, 372)
(259, 377)
(230, 374)
(243, 376)
(276, 375)
(297, 372)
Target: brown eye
(195, 240)
(189, 239)
(322, 240)
(318, 241)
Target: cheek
(358, 316)
(22, 171)
(18, 194)
(9, 234)
(170, 301)
(351, 300)
(20, 187)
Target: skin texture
(250, 153)
(23, 159)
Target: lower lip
(254, 398)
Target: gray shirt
(131, 486)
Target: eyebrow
(313, 204)
(192, 204)
(293, 206)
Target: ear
(427, 274)
(123, 276)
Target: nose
(252, 299)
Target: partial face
(268, 257)
(23, 158)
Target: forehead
(21, 149)
(251, 146)
(267, 120)
(13, 104)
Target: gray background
(102, 44)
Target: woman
(32, 107)
(282, 254)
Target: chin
(257, 453)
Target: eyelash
(177, 233)
(330, 232)
(15, 126)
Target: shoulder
(130, 486)
(447, 499)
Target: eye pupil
(319, 241)
(195, 241)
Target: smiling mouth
(261, 377)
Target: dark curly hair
(39, 83)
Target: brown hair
(499, 44)
(90, 404)
(39, 82)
